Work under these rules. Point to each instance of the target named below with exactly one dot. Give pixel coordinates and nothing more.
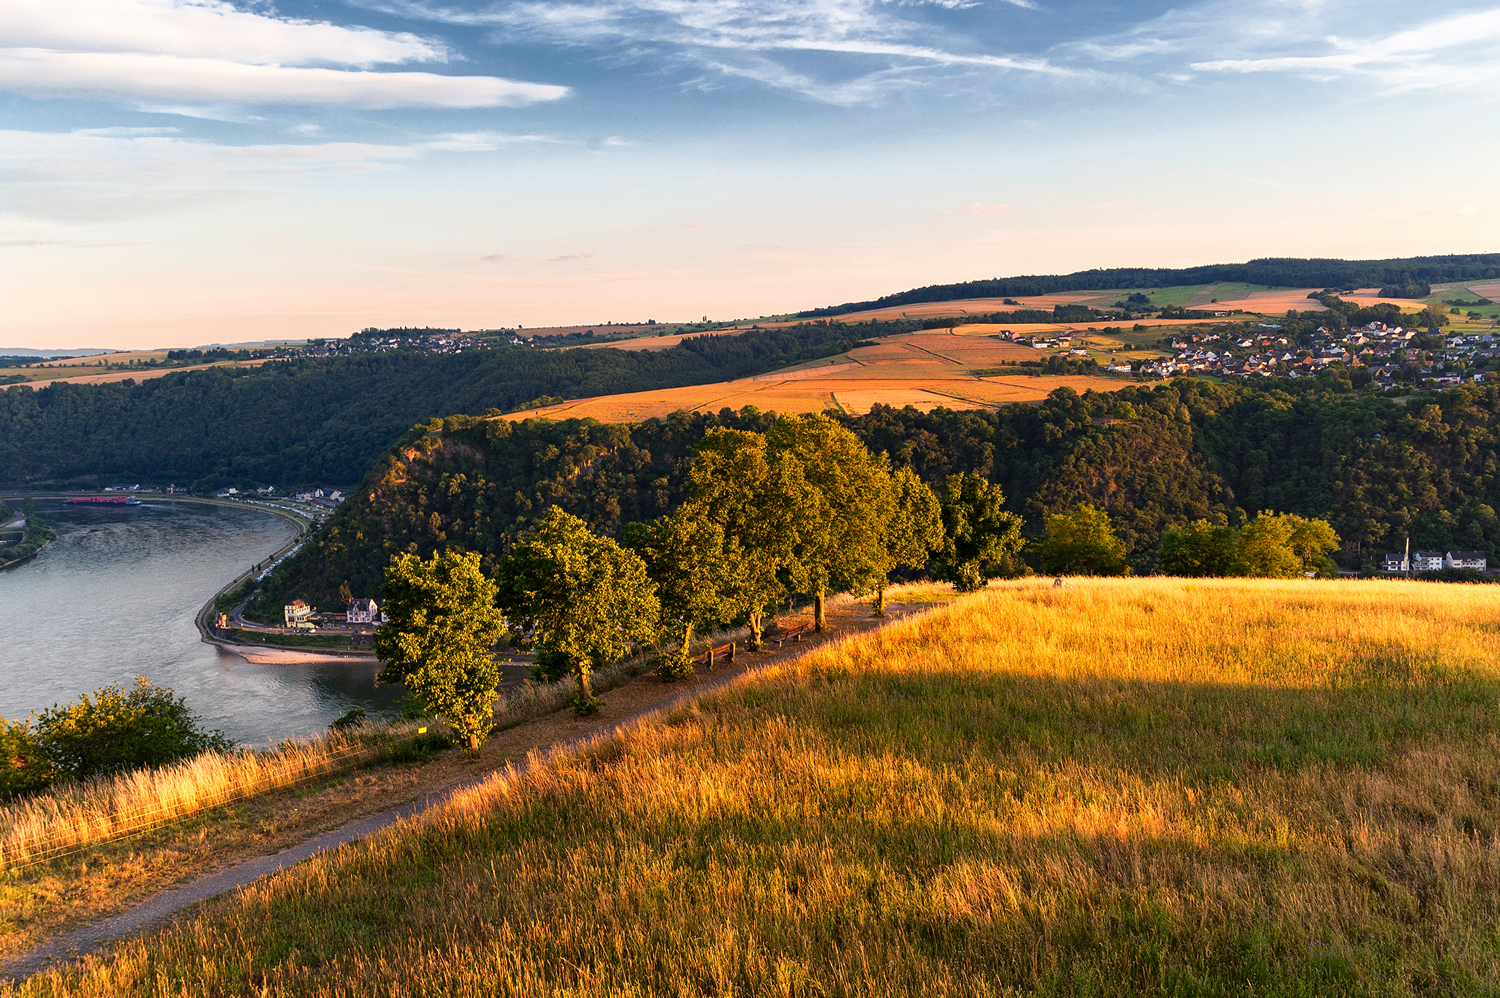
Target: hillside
(1380, 469)
(1269, 272)
(326, 421)
(1116, 788)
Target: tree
(1284, 546)
(913, 532)
(441, 625)
(1082, 542)
(114, 730)
(685, 556)
(346, 595)
(1201, 549)
(759, 500)
(841, 524)
(577, 595)
(979, 537)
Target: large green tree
(685, 555)
(980, 539)
(1201, 548)
(913, 532)
(762, 502)
(842, 522)
(1082, 542)
(572, 593)
(441, 625)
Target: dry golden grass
(1116, 788)
(73, 817)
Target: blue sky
(185, 171)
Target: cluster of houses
(1385, 350)
(1432, 561)
(360, 613)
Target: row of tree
(804, 507)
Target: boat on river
(102, 501)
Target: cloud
(207, 51)
(1322, 40)
(749, 39)
(571, 256)
(99, 174)
(493, 258)
(1449, 53)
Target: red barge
(103, 501)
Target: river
(114, 598)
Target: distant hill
(1291, 272)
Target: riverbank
(36, 535)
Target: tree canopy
(979, 538)
(1082, 542)
(441, 625)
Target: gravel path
(90, 938)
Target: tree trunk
(687, 637)
(757, 629)
(585, 683)
(880, 602)
(820, 618)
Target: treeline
(1273, 271)
(329, 420)
(1153, 458)
(34, 536)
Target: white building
(1426, 561)
(297, 613)
(364, 611)
(1466, 559)
(1397, 563)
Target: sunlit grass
(71, 817)
(1117, 787)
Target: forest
(1154, 458)
(1275, 271)
(327, 420)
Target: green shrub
(114, 730)
(24, 768)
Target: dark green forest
(1376, 467)
(328, 420)
(1274, 271)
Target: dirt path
(636, 701)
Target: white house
(297, 613)
(1396, 563)
(364, 611)
(1426, 561)
(1465, 559)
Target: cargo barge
(102, 501)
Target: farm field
(104, 369)
(927, 369)
(1119, 787)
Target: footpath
(531, 743)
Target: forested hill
(327, 421)
(1377, 468)
(1276, 271)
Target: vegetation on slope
(328, 420)
(1110, 789)
(1272, 271)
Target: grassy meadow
(1119, 787)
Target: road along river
(114, 597)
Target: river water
(114, 597)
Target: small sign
(421, 731)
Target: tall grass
(69, 818)
(1116, 788)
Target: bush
(24, 768)
(349, 719)
(113, 730)
(674, 665)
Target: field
(927, 369)
(104, 369)
(1114, 788)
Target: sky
(181, 172)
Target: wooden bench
(793, 635)
(709, 656)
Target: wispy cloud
(1316, 39)
(207, 51)
(571, 256)
(1450, 53)
(748, 39)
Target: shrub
(114, 730)
(23, 766)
